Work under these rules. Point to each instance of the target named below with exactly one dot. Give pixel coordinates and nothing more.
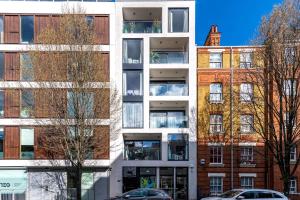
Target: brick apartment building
(230, 154)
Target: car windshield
(231, 193)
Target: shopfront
(13, 184)
(173, 180)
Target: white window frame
(246, 96)
(293, 154)
(247, 152)
(215, 96)
(246, 120)
(246, 60)
(247, 182)
(288, 87)
(215, 155)
(293, 186)
(215, 180)
(215, 63)
(215, 127)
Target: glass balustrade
(168, 89)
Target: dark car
(145, 194)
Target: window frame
(124, 82)
(142, 148)
(249, 94)
(30, 113)
(170, 20)
(3, 142)
(31, 146)
(2, 64)
(21, 30)
(212, 98)
(290, 86)
(141, 62)
(212, 63)
(293, 153)
(216, 124)
(142, 115)
(2, 93)
(293, 181)
(215, 154)
(244, 62)
(248, 123)
(24, 65)
(247, 182)
(1, 29)
(212, 179)
(247, 152)
(185, 138)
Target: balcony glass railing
(168, 57)
(168, 122)
(168, 89)
(141, 27)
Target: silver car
(250, 194)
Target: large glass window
(168, 119)
(246, 155)
(216, 92)
(26, 67)
(27, 31)
(246, 60)
(216, 185)
(247, 182)
(132, 115)
(132, 51)
(246, 123)
(178, 20)
(27, 143)
(246, 92)
(216, 124)
(216, 155)
(1, 142)
(141, 150)
(167, 180)
(290, 87)
(1, 66)
(1, 103)
(215, 60)
(80, 104)
(132, 83)
(27, 103)
(1, 30)
(147, 177)
(178, 145)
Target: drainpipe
(231, 118)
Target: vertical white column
(146, 81)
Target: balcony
(142, 20)
(169, 51)
(142, 27)
(168, 89)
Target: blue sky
(237, 20)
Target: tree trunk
(78, 181)
(286, 185)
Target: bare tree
(73, 93)
(275, 77)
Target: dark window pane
(1, 141)
(142, 150)
(132, 83)
(177, 147)
(27, 29)
(26, 67)
(178, 20)
(132, 51)
(1, 66)
(27, 106)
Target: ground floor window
(247, 182)
(173, 180)
(293, 186)
(13, 184)
(216, 185)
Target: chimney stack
(213, 38)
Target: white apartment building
(152, 62)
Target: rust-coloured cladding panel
(102, 103)
(42, 104)
(39, 151)
(40, 22)
(12, 142)
(12, 104)
(101, 150)
(102, 29)
(12, 67)
(12, 29)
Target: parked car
(144, 194)
(249, 194)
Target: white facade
(150, 72)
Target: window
(26, 67)
(216, 92)
(27, 29)
(216, 155)
(178, 20)
(246, 60)
(1, 66)
(168, 119)
(132, 51)
(1, 103)
(27, 143)
(27, 103)
(246, 92)
(132, 83)
(90, 21)
(1, 30)
(215, 60)
(293, 153)
(290, 55)
(246, 155)
(216, 124)
(287, 122)
(1, 142)
(84, 106)
(178, 145)
(216, 185)
(132, 115)
(290, 87)
(293, 186)
(246, 123)
(247, 182)
(141, 150)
